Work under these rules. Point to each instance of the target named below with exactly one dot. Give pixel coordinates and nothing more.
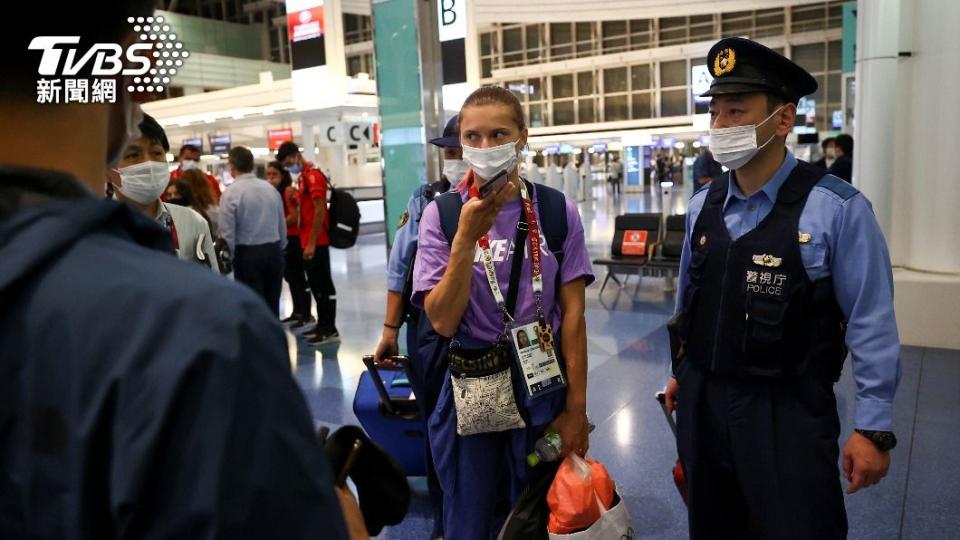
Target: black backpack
(344, 219)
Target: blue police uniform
(774, 289)
(426, 376)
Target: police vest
(750, 308)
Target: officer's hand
(388, 345)
(672, 394)
(863, 464)
(478, 215)
(574, 431)
(309, 252)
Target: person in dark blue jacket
(140, 396)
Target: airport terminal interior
(611, 92)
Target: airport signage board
(219, 144)
(276, 137)
(700, 80)
(195, 141)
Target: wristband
(391, 326)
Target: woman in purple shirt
(480, 443)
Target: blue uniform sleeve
(401, 256)
(693, 212)
(863, 282)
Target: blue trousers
(260, 267)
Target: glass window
(808, 18)
(701, 28)
(535, 88)
(616, 108)
(640, 77)
(835, 15)
(586, 108)
(486, 68)
(834, 56)
(486, 43)
(673, 30)
(354, 65)
(563, 113)
(614, 35)
(513, 46)
(640, 34)
(642, 105)
(585, 41)
(561, 40)
(585, 86)
(738, 23)
(810, 57)
(533, 41)
(615, 80)
(562, 86)
(834, 89)
(673, 102)
(517, 88)
(769, 22)
(512, 40)
(536, 115)
(673, 73)
(821, 84)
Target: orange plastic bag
(573, 495)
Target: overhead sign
(700, 82)
(219, 144)
(276, 137)
(599, 147)
(330, 135)
(452, 19)
(837, 120)
(359, 133)
(305, 24)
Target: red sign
(276, 137)
(634, 243)
(305, 24)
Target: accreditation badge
(538, 359)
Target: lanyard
(171, 227)
(531, 227)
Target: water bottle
(549, 447)
(546, 449)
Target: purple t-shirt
(483, 320)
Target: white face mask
(189, 165)
(734, 147)
(144, 182)
(489, 162)
(454, 170)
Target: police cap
(741, 66)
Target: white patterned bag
(485, 404)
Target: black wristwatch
(885, 441)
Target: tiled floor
(628, 354)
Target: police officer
(399, 289)
(783, 270)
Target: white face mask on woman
(734, 147)
(144, 182)
(489, 162)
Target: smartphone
(493, 184)
(348, 464)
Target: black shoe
(303, 322)
(314, 332)
(331, 337)
(292, 318)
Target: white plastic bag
(614, 524)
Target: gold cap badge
(767, 260)
(805, 238)
(724, 62)
(404, 218)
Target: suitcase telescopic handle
(371, 363)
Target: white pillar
(928, 138)
(905, 123)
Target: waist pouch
(482, 386)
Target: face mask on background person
(455, 169)
(489, 162)
(143, 182)
(734, 147)
(189, 165)
(294, 169)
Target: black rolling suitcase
(387, 409)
